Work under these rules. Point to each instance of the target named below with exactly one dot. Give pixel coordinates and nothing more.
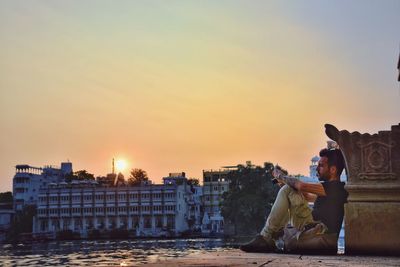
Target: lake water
(106, 252)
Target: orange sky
(186, 85)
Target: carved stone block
(372, 220)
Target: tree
(22, 223)
(193, 182)
(120, 180)
(84, 175)
(248, 201)
(6, 197)
(79, 175)
(137, 177)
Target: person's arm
(309, 196)
(316, 189)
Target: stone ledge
(373, 193)
(235, 257)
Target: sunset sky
(174, 86)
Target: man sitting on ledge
(313, 231)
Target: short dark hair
(335, 158)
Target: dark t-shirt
(330, 209)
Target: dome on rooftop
(315, 159)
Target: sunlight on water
(104, 252)
(109, 252)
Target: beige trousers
(291, 207)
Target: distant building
(193, 198)
(196, 211)
(146, 210)
(214, 185)
(313, 168)
(28, 180)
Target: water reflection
(107, 252)
(104, 252)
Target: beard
(322, 178)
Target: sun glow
(120, 165)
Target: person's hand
(280, 182)
(277, 173)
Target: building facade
(147, 210)
(313, 168)
(29, 180)
(214, 185)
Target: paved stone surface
(236, 257)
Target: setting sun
(120, 165)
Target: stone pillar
(107, 223)
(153, 223)
(141, 223)
(164, 221)
(118, 222)
(35, 225)
(84, 226)
(72, 224)
(129, 222)
(372, 214)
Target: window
(121, 209)
(111, 209)
(133, 209)
(215, 177)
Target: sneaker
(259, 244)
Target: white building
(193, 198)
(28, 180)
(147, 210)
(196, 210)
(313, 168)
(214, 185)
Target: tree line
(136, 177)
